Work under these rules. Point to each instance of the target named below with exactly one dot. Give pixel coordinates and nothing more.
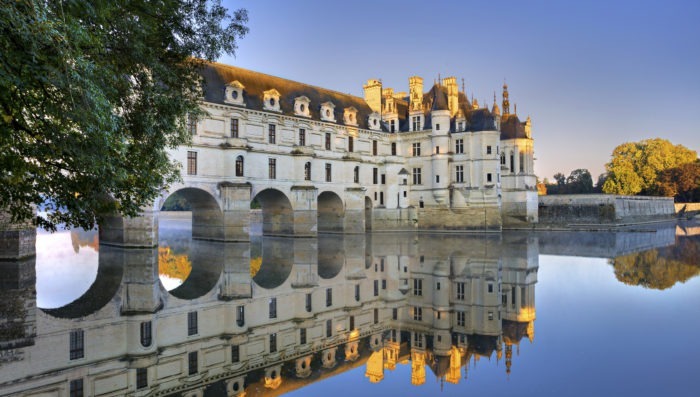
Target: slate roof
(511, 127)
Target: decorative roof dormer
(271, 100)
(350, 116)
(233, 93)
(301, 106)
(328, 111)
(374, 121)
(460, 121)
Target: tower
(452, 95)
(506, 102)
(415, 86)
(373, 94)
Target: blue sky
(591, 74)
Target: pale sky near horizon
(591, 74)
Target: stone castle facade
(427, 159)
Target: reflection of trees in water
(660, 268)
(255, 264)
(173, 265)
(85, 238)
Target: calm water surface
(377, 314)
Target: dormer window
(301, 106)
(328, 111)
(350, 116)
(374, 122)
(271, 100)
(233, 93)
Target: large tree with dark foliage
(93, 93)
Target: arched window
(239, 166)
(146, 336)
(307, 171)
(357, 174)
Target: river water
(526, 313)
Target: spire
(506, 102)
(463, 90)
(515, 109)
(494, 109)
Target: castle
(320, 160)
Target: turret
(415, 86)
(373, 94)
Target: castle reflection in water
(308, 309)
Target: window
(490, 288)
(351, 144)
(503, 159)
(459, 146)
(273, 343)
(240, 316)
(329, 328)
(392, 124)
(394, 314)
(437, 286)
(522, 297)
(146, 335)
(328, 141)
(302, 137)
(416, 149)
(273, 307)
(234, 128)
(356, 174)
(235, 353)
(383, 284)
(393, 148)
(504, 300)
(302, 336)
(418, 340)
(308, 303)
(77, 344)
(460, 291)
(383, 179)
(459, 171)
(357, 292)
(192, 323)
(417, 176)
(329, 297)
(376, 287)
(192, 363)
(490, 315)
(381, 198)
(488, 177)
(271, 133)
(439, 315)
(488, 149)
(521, 159)
(328, 172)
(272, 168)
(375, 175)
(461, 319)
(374, 147)
(415, 123)
(76, 388)
(192, 125)
(437, 178)
(239, 166)
(512, 161)
(191, 163)
(376, 316)
(437, 149)
(437, 127)
(352, 323)
(381, 264)
(141, 378)
(418, 287)
(418, 314)
(307, 171)
(512, 297)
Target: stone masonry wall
(602, 208)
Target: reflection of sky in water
(170, 283)
(62, 275)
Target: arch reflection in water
(317, 307)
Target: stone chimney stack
(373, 94)
(452, 94)
(415, 86)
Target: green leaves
(93, 93)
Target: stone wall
(16, 240)
(602, 208)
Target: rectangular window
(488, 177)
(383, 284)
(308, 303)
(329, 328)
(76, 388)
(376, 316)
(418, 340)
(375, 175)
(383, 179)
(273, 307)
(77, 344)
(357, 292)
(439, 315)
(376, 287)
(302, 336)
(302, 137)
(394, 314)
(374, 147)
(191, 163)
(416, 149)
(488, 149)
(381, 198)
(459, 146)
(415, 123)
(437, 127)
(192, 125)
(418, 287)
(490, 315)
(461, 319)
(459, 173)
(392, 123)
(437, 149)
(460, 291)
(272, 168)
(192, 323)
(146, 334)
(437, 178)
(521, 159)
(437, 286)
(522, 297)
(328, 141)
(234, 128)
(240, 316)
(235, 353)
(418, 314)
(351, 144)
(271, 133)
(393, 148)
(417, 176)
(512, 297)
(192, 364)
(329, 297)
(273, 343)
(328, 172)
(352, 323)
(141, 378)
(490, 288)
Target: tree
(598, 188)
(579, 181)
(682, 183)
(635, 165)
(93, 93)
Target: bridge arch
(331, 212)
(277, 212)
(207, 216)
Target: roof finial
(515, 108)
(463, 90)
(439, 79)
(506, 102)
